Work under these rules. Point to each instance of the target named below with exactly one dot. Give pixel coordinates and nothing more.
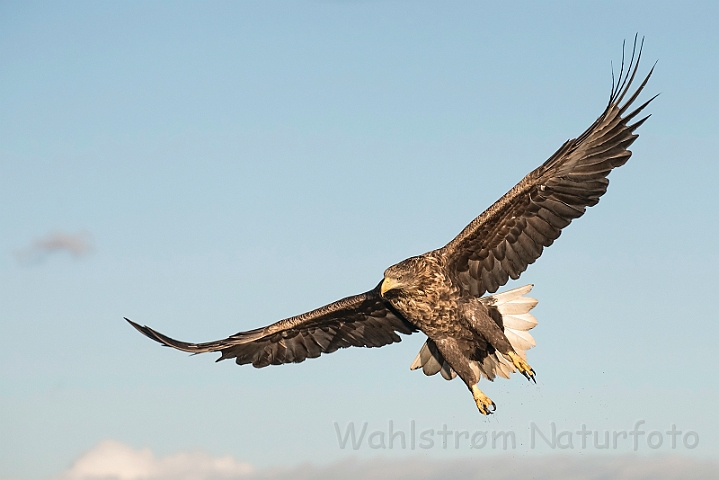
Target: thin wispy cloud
(76, 244)
(111, 460)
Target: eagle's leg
(478, 318)
(459, 362)
(521, 365)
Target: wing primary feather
(631, 73)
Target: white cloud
(77, 244)
(111, 460)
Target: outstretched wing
(511, 234)
(359, 321)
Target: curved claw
(522, 366)
(483, 402)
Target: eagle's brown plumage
(441, 292)
(363, 320)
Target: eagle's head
(406, 276)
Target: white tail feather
(421, 357)
(523, 321)
(432, 366)
(447, 371)
(516, 307)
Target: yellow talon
(483, 401)
(522, 366)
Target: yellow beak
(388, 284)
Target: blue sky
(230, 164)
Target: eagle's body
(442, 293)
(433, 305)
